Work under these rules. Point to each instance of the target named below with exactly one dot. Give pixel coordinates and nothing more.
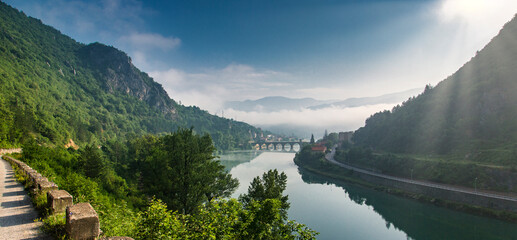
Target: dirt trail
(16, 211)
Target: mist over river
(339, 210)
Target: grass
(55, 225)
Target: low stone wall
(82, 222)
(10, 150)
(440, 193)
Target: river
(339, 210)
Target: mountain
(383, 99)
(55, 89)
(273, 104)
(277, 103)
(471, 114)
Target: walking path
(330, 158)
(16, 211)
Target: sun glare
(472, 10)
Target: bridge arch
(287, 147)
(280, 146)
(296, 147)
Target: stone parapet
(10, 150)
(45, 185)
(82, 222)
(59, 200)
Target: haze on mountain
(279, 103)
(274, 104)
(392, 98)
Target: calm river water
(340, 210)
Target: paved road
(330, 158)
(16, 211)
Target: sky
(206, 52)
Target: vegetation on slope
(54, 89)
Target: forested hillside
(54, 89)
(471, 115)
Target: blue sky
(206, 52)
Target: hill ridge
(54, 89)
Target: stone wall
(10, 150)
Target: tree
(92, 162)
(325, 135)
(183, 172)
(312, 138)
(270, 186)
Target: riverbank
(316, 163)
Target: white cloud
(335, 118)
(210, 88)
(150, 40)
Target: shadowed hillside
(471, 114)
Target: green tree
(183, 172)
(312, 138)
(270, 186)
(92, 162)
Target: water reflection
(340, 210)
(420, 220)
(233, 158)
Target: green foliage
(91, 162)
(40, 203)
(261, 215)
(180, 169)
(221, 219)
(270, 186)
(55, 225)
(307, 156)
(157, 222)
(65, 168)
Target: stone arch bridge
(281, 146)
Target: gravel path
(16, 211)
